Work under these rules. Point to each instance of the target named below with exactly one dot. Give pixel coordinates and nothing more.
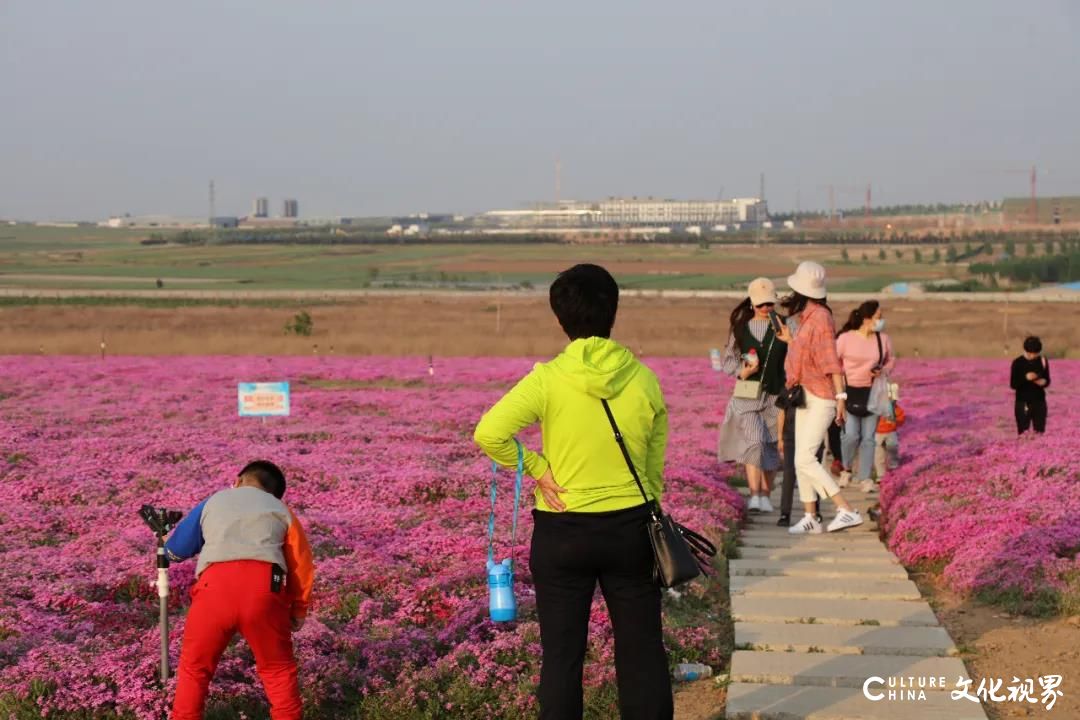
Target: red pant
(233, 596)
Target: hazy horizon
(127, 107)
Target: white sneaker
(807, 526)
(766, 506)
(845, 519)
(867, 486)
(755, 504)
(845, 479)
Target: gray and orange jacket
(247, 523)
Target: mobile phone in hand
(776, 322)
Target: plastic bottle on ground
(688, 672)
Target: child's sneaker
(755, 504)
(765, 505)
(807, 526)
(845, 519)
(845, 479)
(867, 486)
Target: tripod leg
(164, 622)
(163, 613)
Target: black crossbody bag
(858, 401)
(680, 554)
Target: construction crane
(847, 190)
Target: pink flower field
(996, 513)
(394, 497)
(392, 492)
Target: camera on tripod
(160, 520)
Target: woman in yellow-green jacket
(590, 516)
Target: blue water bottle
(501, 601)
(501, 604)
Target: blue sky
(364, 108)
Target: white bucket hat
(761, 291)
(808, 280)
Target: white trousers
(811, 430)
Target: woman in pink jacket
(865, 352)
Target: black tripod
(161, 521)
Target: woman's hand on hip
(550, 490)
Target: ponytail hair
(859, 315)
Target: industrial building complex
(632, 212)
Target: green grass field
(107, 259)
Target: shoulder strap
(626, 455)
(880, 350)
(768, 353)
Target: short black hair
(585, 299)
(1032, 344)
(268, 475)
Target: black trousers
(1030, 412)
(835, 442)
(570, 553)
(787, 490)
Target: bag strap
(517, 499)
(626, 457)
(880, 350)
(768, 353)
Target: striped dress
(748, 434)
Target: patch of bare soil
(472, 326)
(997, 645)
(700, 700)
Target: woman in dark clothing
(1029, 378)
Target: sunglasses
(768, 304)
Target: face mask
(879, 325)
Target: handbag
(858, 401)
(679, 554)
(791, 398)
(752, 389)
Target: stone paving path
(816, 615)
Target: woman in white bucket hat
(754, 352)
(812, 362)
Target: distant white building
(634, 212)
(152, 221)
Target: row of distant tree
(1008, 238)
(1060, 267)
(344, 236)
(328, 236)
(1053, 251)
(894, 210)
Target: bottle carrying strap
(517, 499)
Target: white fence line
(1041, 296)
